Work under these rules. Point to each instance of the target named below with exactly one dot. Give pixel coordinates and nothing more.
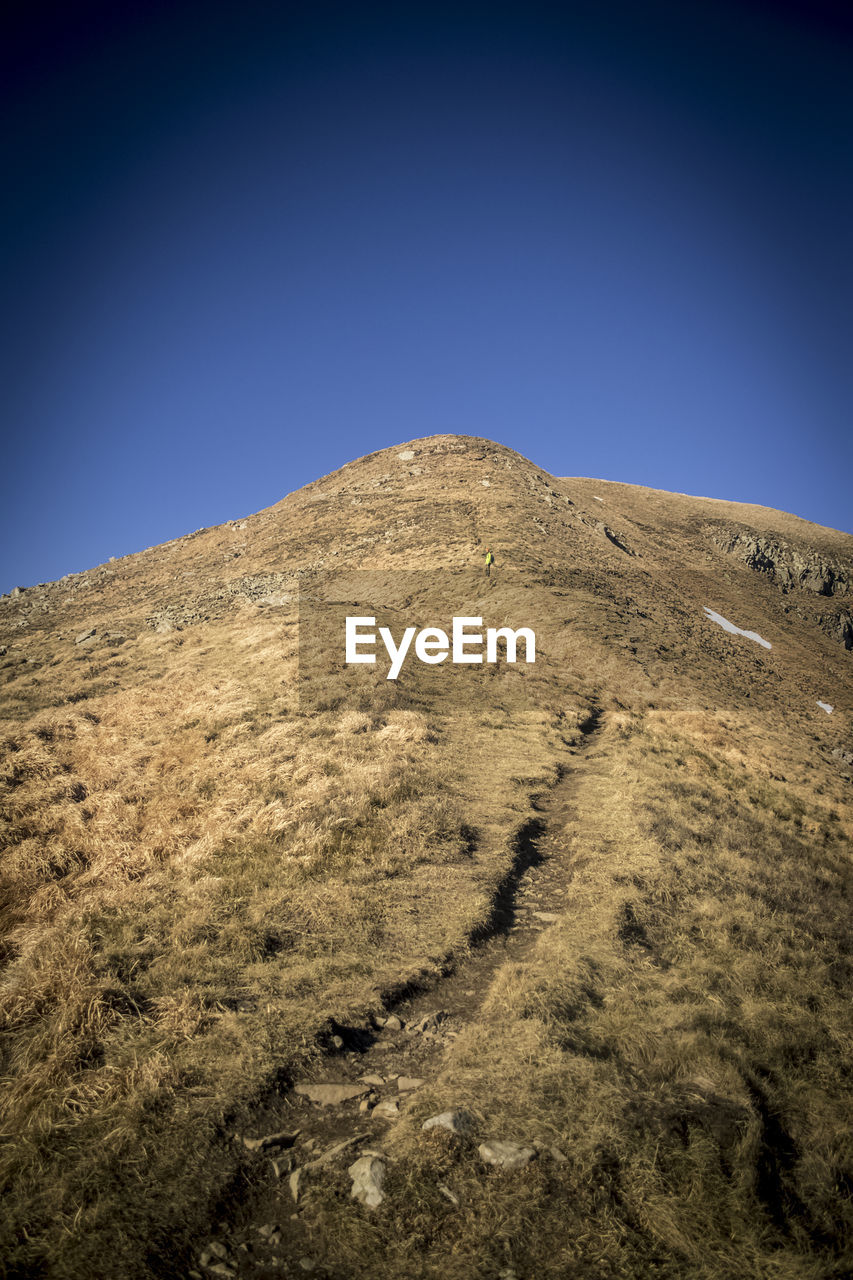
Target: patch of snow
(736, 631)
(827, 708)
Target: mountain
(597, 904)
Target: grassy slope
(198, 876)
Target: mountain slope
(222, 847)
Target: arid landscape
(594, 912)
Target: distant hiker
(490, 560)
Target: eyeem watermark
(432, 645)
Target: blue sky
(243, 245)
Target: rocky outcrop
(839, 626)
(263, 589)
(789, 566)
(845, 627)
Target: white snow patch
(827, 708)
(736, 631)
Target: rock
(453, 1121)
(845, 626)
(506, 1155)
(547, 917)
(364, 1105)
(295, 1183)
(845, 756)
(266, 1229)
(84, 635)
(217, 1250)
(337, 1042)
(449, 1195)
(406, 1083)
(786, 564)
(429, 1022)
(368, 1179)
(331, 1095)
(283, 1139)
(377, 1081)
(329, 1154)
(221, 1269)
(407, 455)
(307, 1264)
(394, 1023)
(486, 484)
(387, 1110)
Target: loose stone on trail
(387, 1110)
(283, 1139)
(368, 1179)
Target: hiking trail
(263, 1228)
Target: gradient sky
(244, 244)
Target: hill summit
(594, 906)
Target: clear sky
(243, 244)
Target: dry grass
(683, 1035)
(201, 876)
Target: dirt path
(266, 1228)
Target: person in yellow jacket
(490, 560)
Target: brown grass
(201, 876)
(683, 1035)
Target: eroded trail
(266, 1227)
